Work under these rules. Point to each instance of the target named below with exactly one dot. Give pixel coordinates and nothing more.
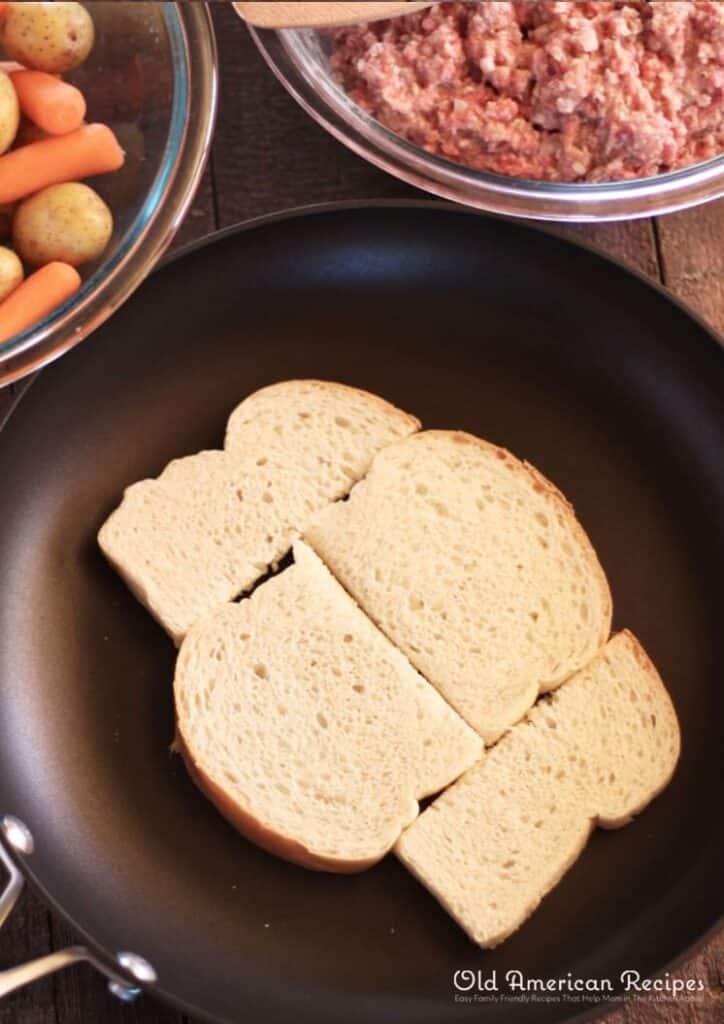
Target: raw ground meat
(599, 90)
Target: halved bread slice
(475, 566)
(595, 752)
(309, 731)
(212, 524)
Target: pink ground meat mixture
(599, 90)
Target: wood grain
(201, 218)
(27, 935)
(692, 258)
(706, 1008)
(267, 156)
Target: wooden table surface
(268, 155)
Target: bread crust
(385, 407)
(544, 486)
(256, 832)
(648, 668)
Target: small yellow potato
(53, 37)
(11, 272)
(9, 113)
(67, 222)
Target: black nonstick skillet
(613, 390)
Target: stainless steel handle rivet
(17, 834)
(137, 967)
(126, 993)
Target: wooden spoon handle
(320, 15)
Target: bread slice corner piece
(167, 541)
(212, 524)
(475, 566)
(306, 728)
(594, 752)
(326, 424)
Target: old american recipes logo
(514, 986)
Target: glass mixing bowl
(300, 60)
(152, 76)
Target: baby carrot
(52, 104)
(91, 149)
(37, 296)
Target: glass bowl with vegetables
(106, 115)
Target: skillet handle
(21, 840)
(16, 977)
(18, 837)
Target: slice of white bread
(212, 524)
(595, 752)
(475, 566)
(309, 731)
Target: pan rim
(346, 206)
(290, 213)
